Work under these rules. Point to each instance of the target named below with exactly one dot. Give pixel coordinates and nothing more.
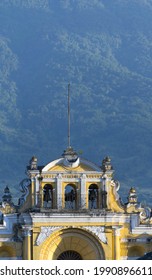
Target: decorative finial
(33, 163)
(132, 198)
(7, 197)
(106, 164)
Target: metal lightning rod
(69, 143)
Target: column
(83, 194)
(40, 200)
(106, 188)
(27, 249)
(33, 190)
(37, 189)
(77, 201)
(116, 247)
(54, 203)
(59, 191)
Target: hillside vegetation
(104, 49)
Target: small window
(69, 255)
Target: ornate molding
(98, 231)
(59, 176)
(145, 215)
(24, 188)
(27, 230)
(117, 230)
(7, 208)
(46, 232)
(83, 176)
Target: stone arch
(93, 196)
(7, 252)
(48, 196)
(70, 197)
(135, 252)
(80, 241)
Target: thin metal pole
(69, 144)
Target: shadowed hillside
(104, 49)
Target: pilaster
(59, 191)
(83, 194)
(27, 248)
(116, 240)
(32, 191)
(37, 189)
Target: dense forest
(104, 49)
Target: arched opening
(69, 255)
(93, 196)
(70, 197)
(48, 196)
(72, 243)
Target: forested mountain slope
(104, 49)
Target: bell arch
(93, 196)
(70, 197)
(74, 242)
(48, 197)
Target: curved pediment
(80, 165)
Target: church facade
(71, 209)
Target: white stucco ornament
(46, 232)
(98, 231)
